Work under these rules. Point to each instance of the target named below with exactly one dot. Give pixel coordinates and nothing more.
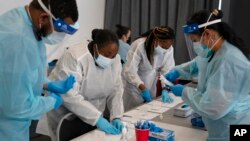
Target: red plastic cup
(142, 134)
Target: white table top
(181, 134)
(149, 111)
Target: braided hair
(158, 33)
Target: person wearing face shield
(222, 96)
(148, 59)
(23, 62)
(97, 69)
(123, 34)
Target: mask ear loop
(215, 43)
(214, 12)
(206, 25)
(46, 9)
(210, 42)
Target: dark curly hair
(59, 8)
(121, 30)
(102, 37)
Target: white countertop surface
(151, 111)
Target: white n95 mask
(54, 38)
(160, 50)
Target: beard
(42, 32)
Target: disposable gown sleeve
(115, 101)
(19, 67)
(73, 100)
(220, 95)
(188, 70)
(130, 71)
(170, 63)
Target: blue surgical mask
(103, 61)
(201, 50)
(54, 38)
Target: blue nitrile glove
(196, 121)
(172, 75)
(146, 95)
(145, 125)
(61, 86)
(184, 105)
(177, 89)
(52, 63)
(154, 128)
(166, 98)
(118, 124)
(105, 126)
(59, 100)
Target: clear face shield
(58, 23)
(192, 29)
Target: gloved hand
(177, 89)
(172, 75)
(196, 121)
(105, 126)
(59, 100)
(61, 86)
(166, 98)
(52, 63)
(118, 124)
(146, 95)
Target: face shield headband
(194, 28)
(58, 23)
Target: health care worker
(141, 38)
(145, 62)
(222, 97)
(123, 34)
(97, 69)
(23, 61)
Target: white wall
(9, 4)
(91, 15)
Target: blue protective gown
(224, 96)
(123, 50)
(22, 72)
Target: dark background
(142, 15)
(239, 19)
